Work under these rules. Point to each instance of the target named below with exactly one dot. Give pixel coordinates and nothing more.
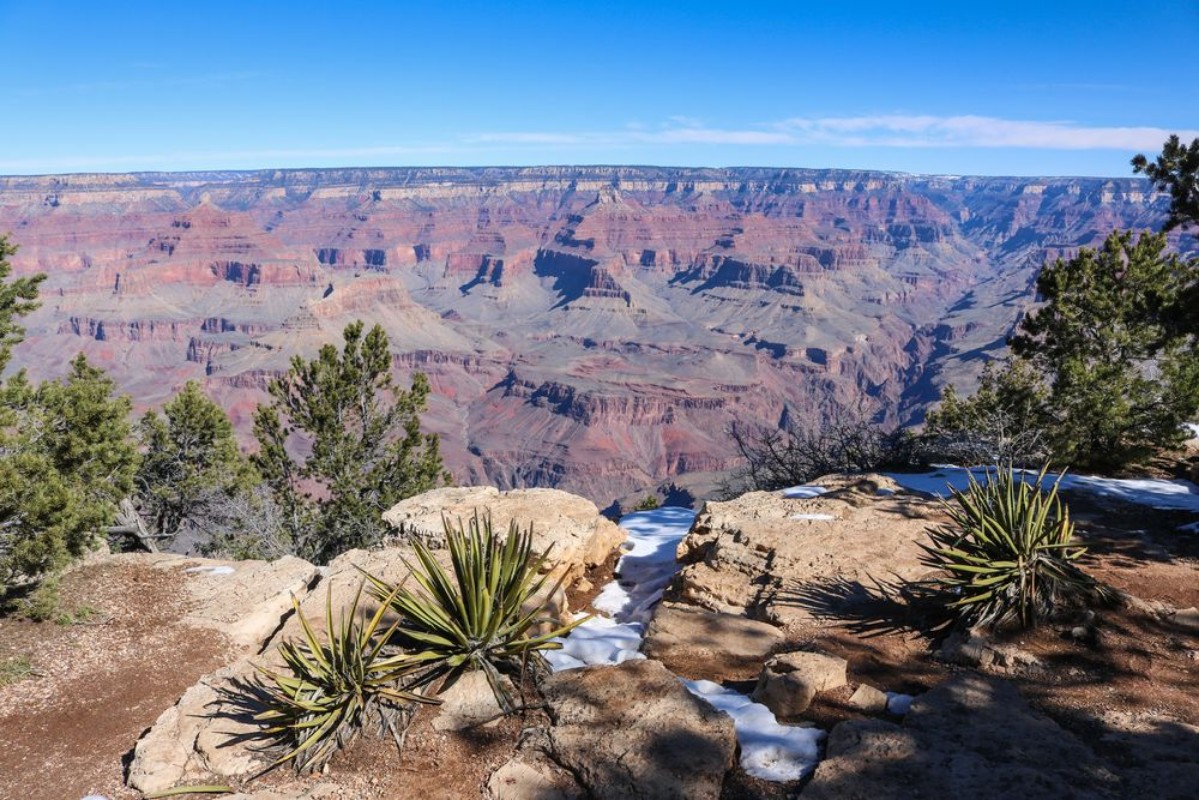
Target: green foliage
(367, 450)
(337, 684)
(648, 503)
(1122, 381)
(15, 669)
(43, 603)
(65, 463)
(1008, 554)
(1004, 421)
(1176, 170)
(192, 468)
(484, 616)
(17, 298)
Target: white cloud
(887, 130)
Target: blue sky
(1019, 88)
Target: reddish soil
(65, 732)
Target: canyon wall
(594, 329)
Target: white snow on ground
(1155, 492)
(769, 751)
(212, 570)
(803, 492)
(812, 516)
(642, 574)
(1193, 429)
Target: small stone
(868, 699)
(1187, 619)
(582, 586)
(790, 681)
(468, 703)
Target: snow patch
(1154, 492)
(769, 751)
(803, 492)
(212, 570)
(812, 516)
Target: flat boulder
(571, 527)
(790, 560)
(701, 644)
(971, 736)
(634, 731)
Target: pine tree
(1122, 380)
(1005, 421)
(68, 460)
(367, 451)
(191, 468)
(1176, 170)
(17, 298)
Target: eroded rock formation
(591, 329)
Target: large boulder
(580, 537)
(698, 643)
(246, 600)
(206, 737)
(971, 736)
(634, 731)
(785, 559)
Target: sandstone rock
(1156, 754)
(975, 648)
(531, 775)
(868, 699)
(570, 526)
(343, 577)
(204, 737)
(246, 600)
(634, 731)
(790, 681)
(468, 703)
(1187, 619)
(793, 560)
(697, 643)
(971, 736)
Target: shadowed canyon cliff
(594, 329)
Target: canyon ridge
(594, 329)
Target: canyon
(594, 329)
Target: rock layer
(587, 328)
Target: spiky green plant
(485, 613)
(1009, 552)
(336, 685)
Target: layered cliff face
(593, 329)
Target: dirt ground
(69, 729)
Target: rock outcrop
(566, 526)
(971, 736)
(780, 559)
(634, 731)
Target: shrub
(15, 669)
(338, 684)
(1006, 421)
(488, 615)
(777, 459)
(1009, 553)
(648, 503)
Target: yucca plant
(337, 684)
(482, 614)
(1009, 553)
